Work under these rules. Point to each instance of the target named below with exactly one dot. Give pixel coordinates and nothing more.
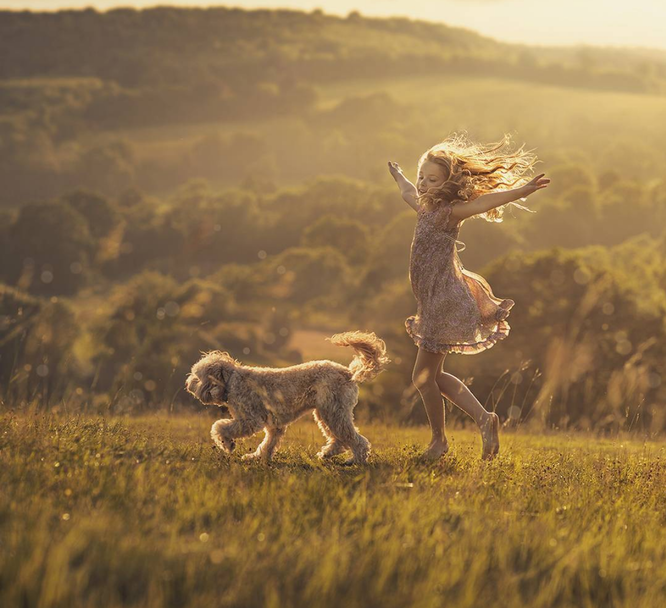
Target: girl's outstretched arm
(486, 202)
(407, 189)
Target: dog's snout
(191, 383)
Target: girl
(457, 311)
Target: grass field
(144, 512)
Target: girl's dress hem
(500, 333)
(465, 348)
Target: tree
(51, 247)
(349, 237)
(108, 167)
(305, 274)
(98, 211)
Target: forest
(181, 180)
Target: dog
(272, 398)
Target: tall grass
(143, 512)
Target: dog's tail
(370, 357)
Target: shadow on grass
(405, 461)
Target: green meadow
(144, 512)
(179, 180)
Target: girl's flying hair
(472, 170)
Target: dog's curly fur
(271, 399)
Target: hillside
(167, 45)
(79, 89)
(225, 54)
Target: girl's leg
(424, 377)
(488, 422)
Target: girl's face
(431, 175)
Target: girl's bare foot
(436, 449)
(490, 435)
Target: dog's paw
(255, 456)
(330, 450)
(226, 445)
(352, 461)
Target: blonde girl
(457, 311)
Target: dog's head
(208, 378)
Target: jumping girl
(457, 311)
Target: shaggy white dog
(271, 399)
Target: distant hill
(152, 98)
(233, 49)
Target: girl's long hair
(472, 170)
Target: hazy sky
(604, 22)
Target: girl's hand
(407, 189)
(537, 183)
(395, 171)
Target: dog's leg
(224, 432)
(338, 416)
(333, 447)
(266, 448)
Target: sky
(546, 22)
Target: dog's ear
(216, 384)
(209, 385)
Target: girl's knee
(423, 379)
(447, 383)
